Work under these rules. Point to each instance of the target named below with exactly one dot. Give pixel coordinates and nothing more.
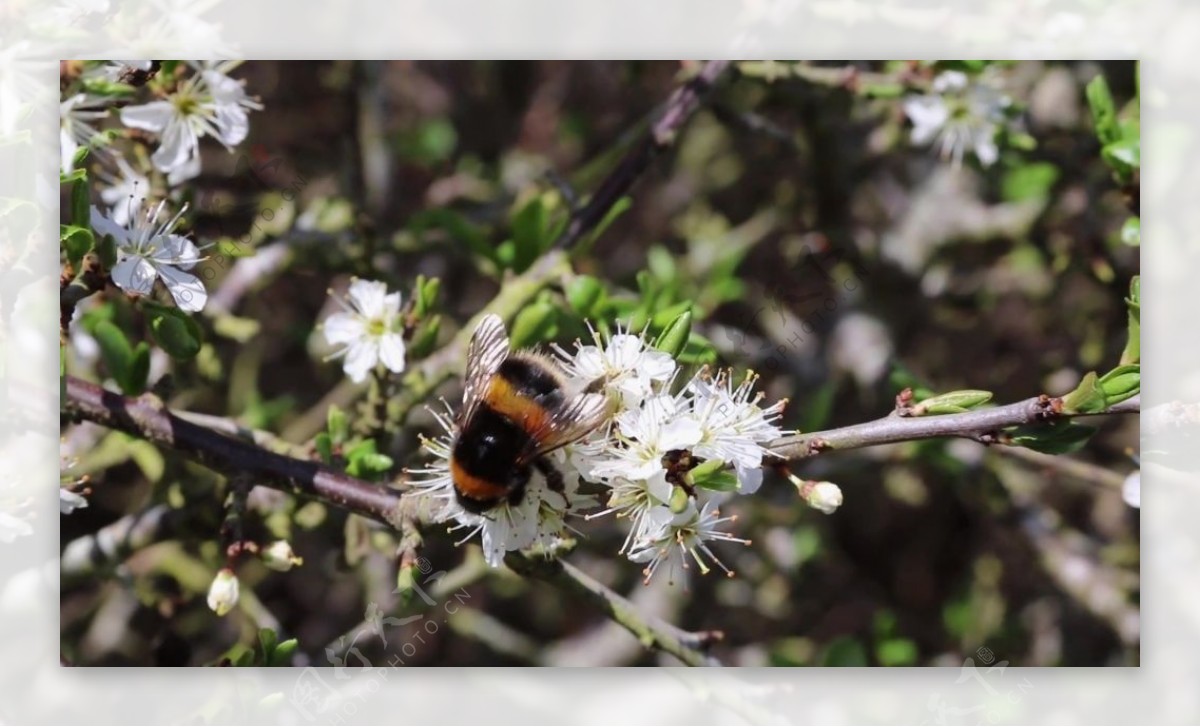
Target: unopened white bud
(223, 593)
(823, 496)
(280, 556)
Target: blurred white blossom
(962, 113)
(125, 194)
(76, 116)
(148, 251)
(369, 330)
(223, 593)
(1131, 490)
(69, 501)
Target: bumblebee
(517, 408)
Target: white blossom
(539, 518)
(207, 103)
(961, 113)
(684, 540)
(369, 330)
(148, 251)
(76, 117)
(825, 496)
(630, 368)
(223, 593)
(279, 556)
(734, 428)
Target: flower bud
(823, 496)
(279, 556)
(223, 593)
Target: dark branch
(680, 107)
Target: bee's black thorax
(533, 380)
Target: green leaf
(585, 294)
(78, 158)
(1055, 438)
(115, 350)
(1087, 398)
(529, 234)
(721, 481)
(267, 640)
(1133, 345)
(284, 651)
(679, 500)
(1104, 113)
(535, 323)
(954, 402)
(426, 295)
(106, 249)
(1029, 181)
(425, 338)
(1123, 155)
(139, 370)
(844, 651)
(1123, 382)
(231, 248)
(77, 242)
(105, 87)
(1131, 232)
(337, 424)
(323, 443)
(896, 652)
(673, 340)
(81, 204)
(174, 331)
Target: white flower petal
(153, 116)
(928, 115)
(134, 274)
(368, 297)
(102, 226)
(361, 358)
(69, 502)
(179, 144)
(342, 328)
(185, 288)
(391, 352)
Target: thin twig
(653, 633)
(982, 425)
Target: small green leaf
(323, 443)
(106, 249)
(337, 424)
(284, 651)
(105, 87)
(267, 640)
(673, 340)
(139, 370)
(954, 402)
(1056, 438)
(529, 233)
(1029, 181)
(1123, 155)
(1123, 382)
(584, 295)
(679, 499)
(1104, 113)
(720, 481)
(1133, 345)
(78, 158)
(1087, 398)
(77, 242)
(81, 203)
(427, 293)
(115, 350)
(844, 651)
(703, 470)
(896, 652)
(698, 351)
(535, 323)
(619, 208)
(174, 331)
(425, 338)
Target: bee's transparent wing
(488, 349)
(573, 421)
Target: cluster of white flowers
(639, 463)
(961, 113)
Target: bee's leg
(554, 478)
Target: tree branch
(982, 425)
(680, 107)
(653, 633)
